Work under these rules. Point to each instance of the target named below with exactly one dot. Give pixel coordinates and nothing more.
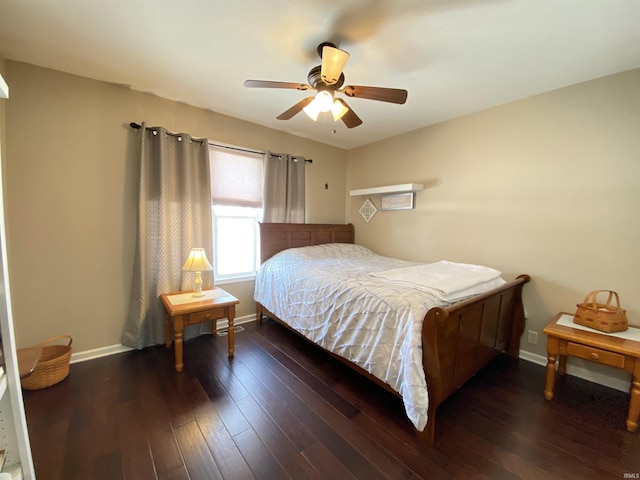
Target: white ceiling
(454, 57)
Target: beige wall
(548, 186)
(71, 177)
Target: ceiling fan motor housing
(315, 80)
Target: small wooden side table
(620, 350)
(183, 309)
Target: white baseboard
(78, 357)
(580, 372)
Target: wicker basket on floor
(53, 365)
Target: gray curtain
(174, 215)
(284, 188)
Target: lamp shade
(312, 110)
(197, 261)
(333, 62)
(338, 110)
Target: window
(235, 242)
(236, 194)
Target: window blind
(236, 177)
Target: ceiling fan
(327, 80)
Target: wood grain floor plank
(161, 359)
(302, 403)
(137, 461)
(157, 422)
(222, 446)
(295, 430)
(207, 390)
(197, 457)
(108, 467)
(275, 357)
(216, 358)
(262, 463)
(342, 448)
(281, 448)
(178, 473)
(325, 463)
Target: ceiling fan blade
(350, 118)
(269, 84)
(297, 108)
(391, 95)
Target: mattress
(339, 296)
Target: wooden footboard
(456, 342)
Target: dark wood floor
(283, 409)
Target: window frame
(238, 193)
(240, 276)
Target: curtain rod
(137, 126)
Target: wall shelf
(403, 188)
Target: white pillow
(326, 250)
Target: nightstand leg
(552, 351)
(634, 402)
(562, 364)
(178, 327)
(231, 317)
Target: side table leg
(231, 317)
(178, 327)
(634, 402)
(552, 351)
(562, 364)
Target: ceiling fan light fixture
(324, 100)
(322, 103)
(333, 62)
(312, 111)
(338, 109)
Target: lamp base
(198, 285)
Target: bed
(442, 341)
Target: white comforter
(331, 294)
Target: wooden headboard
(275, 237)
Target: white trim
(78, 357)
(224, 323)
(227, 281)
(581, 372)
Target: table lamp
(197, 262)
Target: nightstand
(183, 309)
(620, 350)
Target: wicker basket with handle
(605, 317)
(53, 365)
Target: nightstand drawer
(205, 316)
(595, 355)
